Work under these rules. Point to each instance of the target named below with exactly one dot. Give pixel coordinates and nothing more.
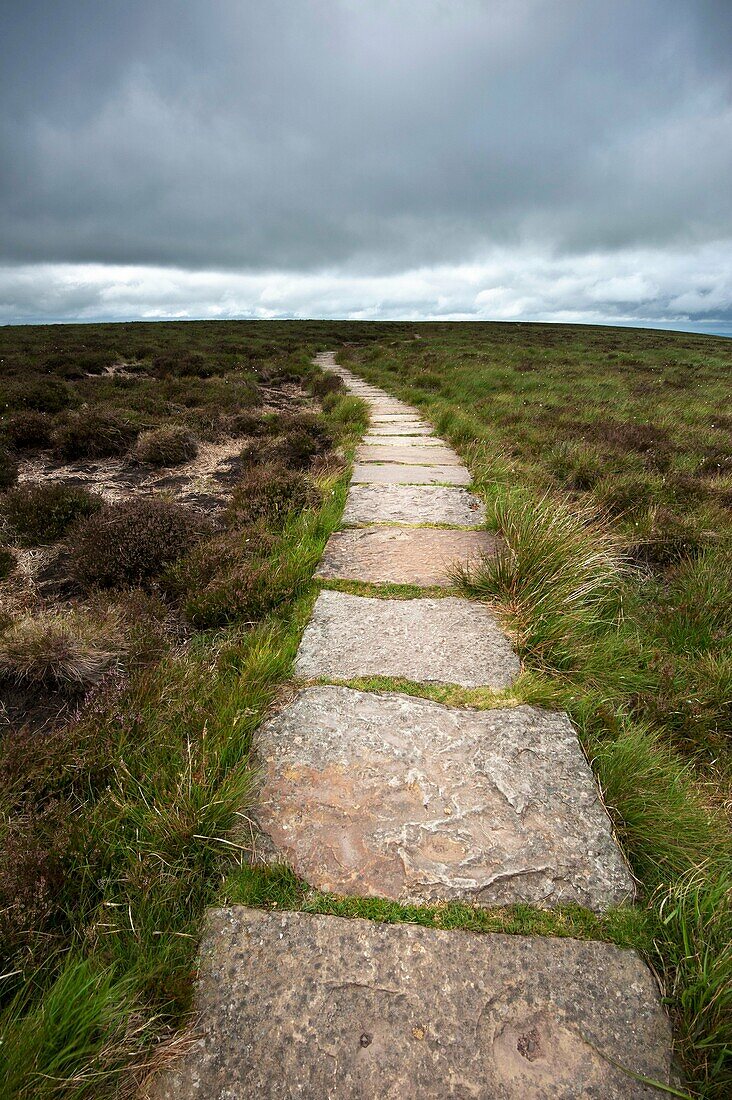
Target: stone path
(382, 794)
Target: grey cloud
(664, 287)
(363, 136)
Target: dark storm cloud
(371, 137)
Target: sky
(549, 160)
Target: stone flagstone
(446, 640)
(298, 1004)
(386, 795)
(412, 504)
(407, 430)
(377, 440)
(392, 473)
(413, 453)
(394, 796)
(398, 555)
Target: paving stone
(303, 1005)
(405, 430)
(386, 795)
(410, 453)
(396, 418)
(399, 555)
(385, 439)
(394, 473)
(413, 504)
(448, 640)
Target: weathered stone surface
(396, 418)
(446, 640)
(398, 555)
(392, 473)
(431, 455)
(300, 1005)
(406, 429)
(413, 504)
(386, 795)
(374, 438)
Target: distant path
(382, 794)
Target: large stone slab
(386, 795)
(418, 440)
(446, 640)
(300, 1005)
(394, 555)
(401, 429)
(393, 473)
(395, 417)
(413, 504)
(412, 453)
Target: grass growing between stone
(604, 460)
(277, 887)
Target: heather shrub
(133, 542)
(183, 363)
(244, 593)
(301, 439)
(270, 493)
(8, 468)
(29, 428)
(43, 512)
(48, 395)
(94, 433)
(64, 649)
(170, 445)
(327, 384)
(8, 562)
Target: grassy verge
(621, 613)
(153, 778)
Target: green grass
(602, 456)
(277, 887)
(123, 822)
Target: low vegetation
(603, 457)
(144, 636)
(140, 644)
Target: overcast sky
(508, 159)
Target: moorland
(165, 493)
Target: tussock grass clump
(695, 937)
(29, 429)
(271, 493)
(94, 433)
(576, 465)
(170, 445)
(42, 512)
(558, 566)
(71, 649)
(133, 542)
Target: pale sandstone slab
(398, 555)
(434, 454)
(413, 504)
(396, 418)
(404, 430)
(394, 473)
(449, 641)
(386, 439)
(386, 795)
(302, 1005)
